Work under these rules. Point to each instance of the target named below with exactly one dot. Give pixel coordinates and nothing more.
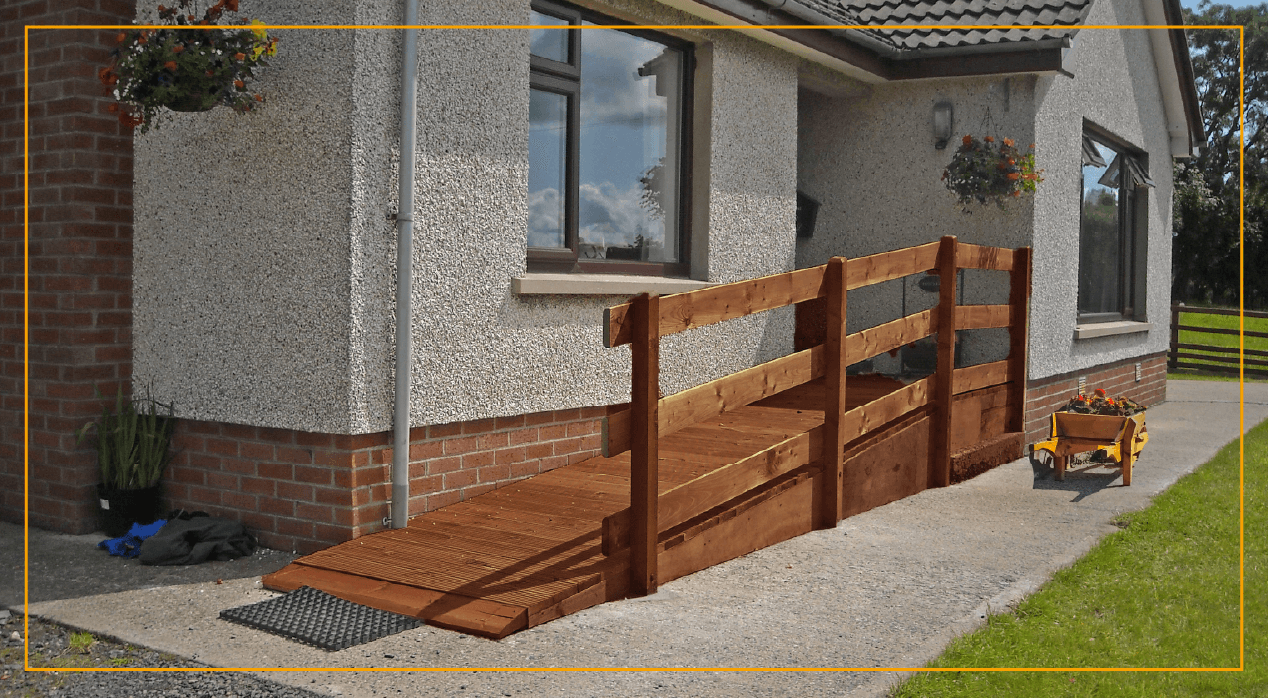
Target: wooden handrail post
(1018, 297)
(830, 508)
(644, 445)
(944, 379)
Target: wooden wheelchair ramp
(738, 464)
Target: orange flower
(1008, 142)
(989, 139)
(259, 98)
(1012, 161)
(104, 75)
(239, 84)
(1013, 175)
(121, 37)
(968, 140)
(1016, 193)
(210, 73)
(142, 38)
(170, 65)
(239, 56)
(178, 48)
(1032, 145)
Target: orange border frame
(25, 347)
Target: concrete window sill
(1107, 329)
(600, 285)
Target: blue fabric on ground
(129, 545)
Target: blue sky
(1193, 4)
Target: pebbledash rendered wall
(264, 268)
(1115, 86)
(868, 157)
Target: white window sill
(600, 285)
(1107, 329)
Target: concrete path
(887, 588)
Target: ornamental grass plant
(187, 68)
(985, 171)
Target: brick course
(1046, 395)
(80, 245)
(304, 491)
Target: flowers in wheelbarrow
(1098, 403)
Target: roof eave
(875, 58)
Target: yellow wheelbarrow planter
(1122, 439)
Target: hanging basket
(192, 103)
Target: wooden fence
(1216, 359)
(644, 320)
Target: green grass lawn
(1229, 322)
(1163, 592)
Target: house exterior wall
(243, 244)
(78, 293)
(1116, 87)
(869, 159)
(271, 303)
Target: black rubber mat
(316, 618)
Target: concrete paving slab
(887, 588)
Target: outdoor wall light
(942, 121)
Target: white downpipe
(404, 272)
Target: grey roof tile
(956, 13)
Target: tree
(1206, 203)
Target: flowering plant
(984, 171)
(1098, 403)
(185, 68)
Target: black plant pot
(122, 508)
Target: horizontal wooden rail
(1222, 350)
(968, 256)
(887, 266)
(877, 413)
(981, 376)
(695, 497)
(685, 311)
(978, 317)
(1230, 370)
(1188, 356)
(717, 396)
(1221, 311)
(1220, 330)
(887, 337)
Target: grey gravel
(886, 589)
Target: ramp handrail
(644, 320)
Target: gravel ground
(51, 646)
(886, 589)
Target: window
(1112, 231)
(607, 147)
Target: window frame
(565, 78)
(1133, 231)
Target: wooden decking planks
(530, 552)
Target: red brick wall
(303, 491)
(1046, 395)
(80, 254)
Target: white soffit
(1168, 79)
(772, 39)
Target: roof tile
(956, 13)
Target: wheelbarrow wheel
(1042, 458)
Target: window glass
(629, 148)
(1100, 242)
(547, 150)
(549, 43)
